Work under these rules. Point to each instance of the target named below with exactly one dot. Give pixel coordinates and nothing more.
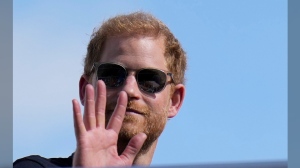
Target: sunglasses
(149, 80)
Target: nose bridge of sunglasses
(131, 77)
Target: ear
(83, 81)
(176, 100)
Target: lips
(131, 110)
(128, 110)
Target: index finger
(117, 117)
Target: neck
(145, 158)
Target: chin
(132, 125)
(152, 126)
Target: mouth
(133, 111)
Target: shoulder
(36, 161)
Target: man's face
(146, 112)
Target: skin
(104, 137)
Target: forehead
(135, 52)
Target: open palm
(97, 144)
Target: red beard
(149, 122)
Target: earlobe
(176, 100)
(83, 81)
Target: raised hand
(97, 145)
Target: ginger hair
(137, 24)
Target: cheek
(111, 96)
(93, 79)
(161, 103)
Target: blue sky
(236, 103)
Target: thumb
(133, 148)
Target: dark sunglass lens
(151, 80)
(113, 75)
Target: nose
(131, 88)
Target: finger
(133, 148)
(77, 117)
(89, 108)
(117, 117)
(100, 104)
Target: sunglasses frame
(97, 64)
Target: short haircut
(137, 24)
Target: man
(133, 82)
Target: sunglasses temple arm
(93, 67)
(171, 75)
